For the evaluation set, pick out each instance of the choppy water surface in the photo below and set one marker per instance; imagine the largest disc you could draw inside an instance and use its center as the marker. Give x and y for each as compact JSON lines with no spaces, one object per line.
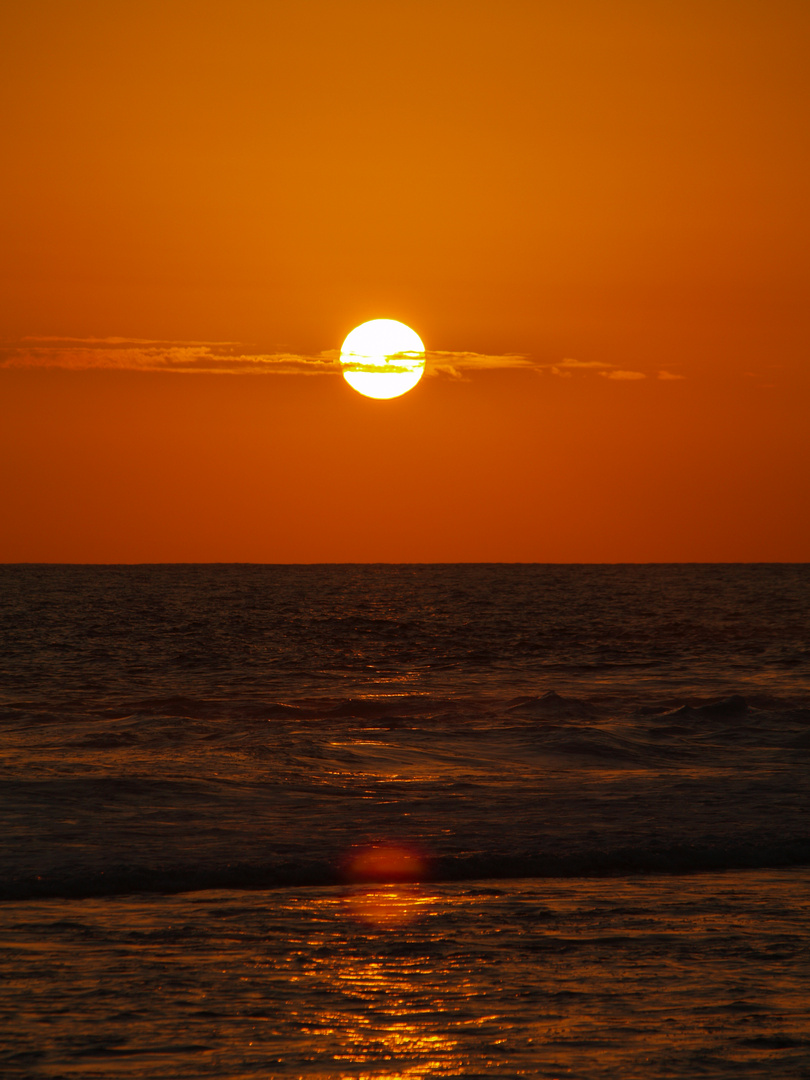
{"x":702,"y":976}
{"x":530,"y":735}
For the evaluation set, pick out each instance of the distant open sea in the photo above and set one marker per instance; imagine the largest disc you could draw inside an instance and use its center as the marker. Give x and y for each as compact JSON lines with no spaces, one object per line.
{"x":405,"y":821}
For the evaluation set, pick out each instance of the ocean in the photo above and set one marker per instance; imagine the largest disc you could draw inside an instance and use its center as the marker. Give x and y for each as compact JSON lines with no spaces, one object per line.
{"x":405,"y":821}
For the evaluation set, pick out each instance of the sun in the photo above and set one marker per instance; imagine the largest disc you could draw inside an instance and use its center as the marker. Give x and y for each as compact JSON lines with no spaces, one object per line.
{"x":382,"y":358}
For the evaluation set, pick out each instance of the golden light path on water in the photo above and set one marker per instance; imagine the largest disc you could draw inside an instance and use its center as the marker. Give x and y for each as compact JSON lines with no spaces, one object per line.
{"x":632,"y":977}
{"x":382,"y":358}
{"x":387,"y":1025}
{"x":390,"y":902}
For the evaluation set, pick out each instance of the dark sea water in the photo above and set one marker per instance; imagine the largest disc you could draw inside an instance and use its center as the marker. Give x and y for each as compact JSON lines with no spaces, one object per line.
{"x":405,"y":821}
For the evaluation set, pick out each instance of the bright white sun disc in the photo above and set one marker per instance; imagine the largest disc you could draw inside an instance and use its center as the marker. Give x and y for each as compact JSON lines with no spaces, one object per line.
{"x":382,"y":358}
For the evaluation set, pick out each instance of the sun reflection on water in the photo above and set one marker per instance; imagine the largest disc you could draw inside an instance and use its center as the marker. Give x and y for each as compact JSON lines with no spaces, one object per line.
{"x":389,"y":907}
{"x":389,"y":1026}
{"x":384,"y":862}
{"x":394,"y":1026}
{"x":627,"y":978}
{"x":387,"y":879}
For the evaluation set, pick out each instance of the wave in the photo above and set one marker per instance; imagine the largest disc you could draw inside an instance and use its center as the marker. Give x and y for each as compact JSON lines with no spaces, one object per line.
{"x":553,"y":706}
{"x":667,"y":859}
{"x":645,"y":703}
{"x":734,"y":707}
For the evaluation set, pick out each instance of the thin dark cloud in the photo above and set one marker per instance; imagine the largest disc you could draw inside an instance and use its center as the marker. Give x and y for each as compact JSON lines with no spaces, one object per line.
{"x":459,"y":364}
{"x":139,"y":354}
{"x":237,"y":358}
{"x":220,"y":357}
{"x":568,"y":368}
{"x":626,"y":376}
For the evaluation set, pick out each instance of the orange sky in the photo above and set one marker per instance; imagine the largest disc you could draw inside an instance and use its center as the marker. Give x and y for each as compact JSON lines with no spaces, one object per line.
{"x":559,"y":197}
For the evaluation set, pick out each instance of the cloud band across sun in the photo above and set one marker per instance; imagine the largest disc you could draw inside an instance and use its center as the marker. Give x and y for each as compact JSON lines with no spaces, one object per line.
{"x":226,"y":357}
{"x":235,"y":358}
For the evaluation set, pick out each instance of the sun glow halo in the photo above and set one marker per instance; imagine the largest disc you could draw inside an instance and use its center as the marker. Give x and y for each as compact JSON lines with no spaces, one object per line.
{"x":382,"y":358}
